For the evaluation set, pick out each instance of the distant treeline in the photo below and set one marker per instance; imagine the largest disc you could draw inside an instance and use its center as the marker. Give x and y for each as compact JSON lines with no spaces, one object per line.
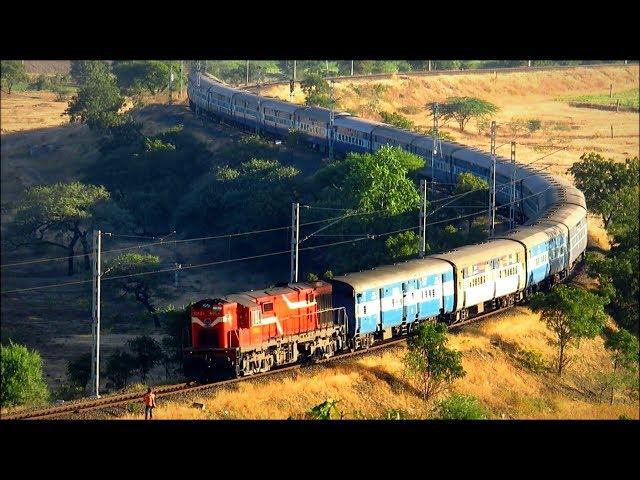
{"x":235,"y":71}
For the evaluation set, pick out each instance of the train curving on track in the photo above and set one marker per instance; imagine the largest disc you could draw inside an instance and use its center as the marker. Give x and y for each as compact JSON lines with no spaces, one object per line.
{"x":255,"y":331}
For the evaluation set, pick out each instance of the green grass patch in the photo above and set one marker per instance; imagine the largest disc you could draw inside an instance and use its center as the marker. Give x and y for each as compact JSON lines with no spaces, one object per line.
{"x":628,"y":99}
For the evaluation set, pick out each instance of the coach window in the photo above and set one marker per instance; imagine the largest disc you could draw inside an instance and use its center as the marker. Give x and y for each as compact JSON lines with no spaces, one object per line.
{"x":267,"y":307}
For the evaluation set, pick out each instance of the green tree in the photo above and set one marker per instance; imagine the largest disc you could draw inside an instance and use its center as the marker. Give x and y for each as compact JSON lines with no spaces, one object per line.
{"x":397,"y":120}
{"x":97,"y":102}
{"x":120,"y":368}
{"x":147,"y":353}
{"x":403,"y":246}
{"x":11,"y":72}
{"x":429,"y":361}
{"x":461,"y":407}
{"x":624,"y":351}
{"x":149,"y":75}
{"x":142,"y":288}
{"x":82,"y":70}
{"x":571,"y":314}
{"x":317,"y":90}
{"x":602,"y":181}
{"x":79,"y":370}
{"x":476,"y":190}
{"x":463,"y":109}
{"x":62,"y":215}
{"x":618,"y":274}
{"x":379,"y":181}
{"x":21,"y":378}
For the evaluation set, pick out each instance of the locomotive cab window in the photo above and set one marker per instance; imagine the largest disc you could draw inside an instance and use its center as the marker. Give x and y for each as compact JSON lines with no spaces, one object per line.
{"x":267,"y":307}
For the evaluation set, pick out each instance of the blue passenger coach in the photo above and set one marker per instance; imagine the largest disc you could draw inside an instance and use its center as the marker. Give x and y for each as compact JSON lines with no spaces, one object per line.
{"x":392,"y":297}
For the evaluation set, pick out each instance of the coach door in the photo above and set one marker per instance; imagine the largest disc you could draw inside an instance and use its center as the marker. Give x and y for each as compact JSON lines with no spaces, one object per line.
{"x":410,"y":300}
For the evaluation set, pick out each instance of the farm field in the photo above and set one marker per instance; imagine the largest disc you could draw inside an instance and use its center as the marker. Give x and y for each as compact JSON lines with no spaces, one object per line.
{"x":40,"y":147}
{"x":628,"y":98}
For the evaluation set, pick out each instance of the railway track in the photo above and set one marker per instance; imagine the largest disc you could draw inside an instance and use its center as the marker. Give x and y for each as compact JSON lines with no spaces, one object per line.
{"x":127,"y":398}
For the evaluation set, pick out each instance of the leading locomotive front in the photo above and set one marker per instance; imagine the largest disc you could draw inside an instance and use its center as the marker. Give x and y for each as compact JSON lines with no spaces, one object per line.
{"x":213,"y":323}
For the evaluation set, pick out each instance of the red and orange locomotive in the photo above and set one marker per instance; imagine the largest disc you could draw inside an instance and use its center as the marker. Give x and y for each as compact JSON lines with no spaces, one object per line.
{"x":252,"y":332}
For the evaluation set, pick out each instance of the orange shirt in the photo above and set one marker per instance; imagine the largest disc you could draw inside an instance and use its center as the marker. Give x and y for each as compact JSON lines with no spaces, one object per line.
{"x":149,"y":399}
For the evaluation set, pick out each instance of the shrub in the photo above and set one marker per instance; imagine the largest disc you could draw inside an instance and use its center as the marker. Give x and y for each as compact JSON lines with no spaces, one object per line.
{"x":21,"y":379}
{"x":410,"y":109}
{"x":324,"y":410}
{"x":532,"y":360}
{"x":533,"y":125}
{"x":461,"y":407}
{"x":68,"y":392}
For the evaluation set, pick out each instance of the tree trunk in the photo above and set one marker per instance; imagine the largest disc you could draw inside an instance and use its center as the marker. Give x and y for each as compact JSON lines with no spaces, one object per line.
{"x":85,"y":249}
{"x":72,"y":247}
{"x":613,"y":385}
{"x":560,"y":359}
{"x":152,"y":310}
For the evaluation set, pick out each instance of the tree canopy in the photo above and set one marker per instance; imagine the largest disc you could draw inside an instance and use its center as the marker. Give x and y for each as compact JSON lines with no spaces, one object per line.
{"x":97,"y":102}
{"x":82,"y":70}
{"x":607,"y":185}
{"x":148,"y":75}
{"x":430,"y":361}
{"x":11,"y":72}
{"x":142,"y":288}
{"x":62,"y":215}
{"x":463,"y":109}
{"x":571,"y":314}
{"x":317,"y":90}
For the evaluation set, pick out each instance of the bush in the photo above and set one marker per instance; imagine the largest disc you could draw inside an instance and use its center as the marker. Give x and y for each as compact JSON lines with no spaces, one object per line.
{"x":461,"y":407}
{"x":21,"y":379}
{"x":533,"y":125}
{"x":532,"y":360}
{"x":79,"y":371}
{"x":68,"y":392}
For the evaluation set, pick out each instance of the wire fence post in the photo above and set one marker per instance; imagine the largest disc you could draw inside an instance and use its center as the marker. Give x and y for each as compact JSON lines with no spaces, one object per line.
{"x":95,"y":348}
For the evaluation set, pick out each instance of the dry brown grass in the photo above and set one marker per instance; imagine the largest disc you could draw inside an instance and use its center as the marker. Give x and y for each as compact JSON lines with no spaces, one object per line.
{"x":519,"y":95}
{"x":370,"y":386}
{"x":31,"y":110}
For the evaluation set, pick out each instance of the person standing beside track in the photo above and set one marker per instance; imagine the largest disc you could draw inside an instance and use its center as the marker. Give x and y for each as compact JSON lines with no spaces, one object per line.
{"x":149,"y":404}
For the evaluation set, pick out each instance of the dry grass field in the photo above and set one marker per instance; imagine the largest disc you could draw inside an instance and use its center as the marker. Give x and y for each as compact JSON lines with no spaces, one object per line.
{"x":373,"y":386}
{"x":519,"y":96}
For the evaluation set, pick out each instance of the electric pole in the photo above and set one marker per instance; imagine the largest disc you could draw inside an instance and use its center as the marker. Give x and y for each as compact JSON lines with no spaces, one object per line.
{"x":352,"y":68}
{"x":294,"y":71}
{"x":512,"y":193}
{"x":247,"y":72}
{"x":429,"y":67}
{"x":259,"y":112}
{"x":95,"y":348}
{"x":423,"y":218}
{"x":181,"y":70}
{"x":295,"y":238}
{"x":170,"y":83}
{"x":331,"y":119}
{"x":492,"y":183}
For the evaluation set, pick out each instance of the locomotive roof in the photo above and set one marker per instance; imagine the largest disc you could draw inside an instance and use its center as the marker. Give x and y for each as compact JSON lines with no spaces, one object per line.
{"x":388,"y":274}
{"x":252,"y":297}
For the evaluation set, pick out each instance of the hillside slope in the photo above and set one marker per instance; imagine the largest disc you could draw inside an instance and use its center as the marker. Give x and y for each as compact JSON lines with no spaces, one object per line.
{"x":373,"y":386}
{"x":520,"y":95}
